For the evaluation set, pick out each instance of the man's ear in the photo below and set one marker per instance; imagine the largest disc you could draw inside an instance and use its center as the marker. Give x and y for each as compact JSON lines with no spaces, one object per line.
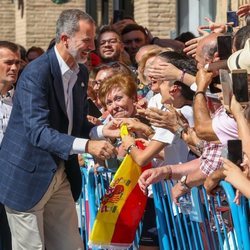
{"x":64,"y":39}
{"x":175,"y":89}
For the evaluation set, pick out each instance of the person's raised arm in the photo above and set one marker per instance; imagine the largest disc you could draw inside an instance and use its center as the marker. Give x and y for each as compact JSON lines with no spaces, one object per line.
{"x":202,"y":118}
{"x":242,"y":124}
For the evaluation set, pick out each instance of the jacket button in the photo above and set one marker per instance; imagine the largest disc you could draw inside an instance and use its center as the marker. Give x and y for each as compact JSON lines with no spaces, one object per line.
{"x":53,"y":170}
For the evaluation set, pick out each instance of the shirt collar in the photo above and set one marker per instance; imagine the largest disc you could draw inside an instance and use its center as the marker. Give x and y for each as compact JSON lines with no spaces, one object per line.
{"x":7,"y":99}
{"x":63,"y":65}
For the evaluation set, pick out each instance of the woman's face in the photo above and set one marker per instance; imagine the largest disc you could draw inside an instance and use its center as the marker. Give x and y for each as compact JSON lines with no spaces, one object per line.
{"x":118,"y":104}
{"x":153,"y":83}
{"x":164,"y":85}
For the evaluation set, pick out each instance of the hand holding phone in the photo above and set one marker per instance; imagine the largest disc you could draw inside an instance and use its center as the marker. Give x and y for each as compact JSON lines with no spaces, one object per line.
{"x":232,"y":18}
{"x":226,"y":84}
{"x":224,"y":46}
{"x":240,"y":85}
{"x":234,"y":149}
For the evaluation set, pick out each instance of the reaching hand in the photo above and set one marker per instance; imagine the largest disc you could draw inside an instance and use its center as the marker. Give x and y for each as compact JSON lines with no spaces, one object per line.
{"x":190,"y":137}
{"x":101,"y":149}
{"x":153,"y":175}
{"x":212,"y":181}
{"x":163,"y":71}
{"x":232,"y":172}
{"x":127,"y":141}
{"x":191,"y":46}
{"x":177,"y":191}
{"x":112,"y":129}
{"x":214,"y":27}
{"x":203,"y":79}
{"x":235,"y":107}
{"x":243,"y":10}
{"x":164,"y":119}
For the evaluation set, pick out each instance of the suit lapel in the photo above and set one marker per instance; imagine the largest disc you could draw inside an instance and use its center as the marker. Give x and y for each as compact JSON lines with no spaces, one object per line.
{"x":79,"y":94}
{"x":57,"y":82}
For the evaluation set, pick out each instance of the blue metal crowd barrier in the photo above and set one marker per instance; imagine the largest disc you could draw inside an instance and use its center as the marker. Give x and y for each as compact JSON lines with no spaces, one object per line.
{"x":203,"y":228}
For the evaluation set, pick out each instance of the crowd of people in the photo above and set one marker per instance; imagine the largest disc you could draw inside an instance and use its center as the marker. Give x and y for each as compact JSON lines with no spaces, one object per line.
{"x":72,"y":99}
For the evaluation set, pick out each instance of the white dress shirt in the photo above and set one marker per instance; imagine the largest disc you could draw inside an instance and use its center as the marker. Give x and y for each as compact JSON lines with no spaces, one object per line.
{"x":69,"y":78}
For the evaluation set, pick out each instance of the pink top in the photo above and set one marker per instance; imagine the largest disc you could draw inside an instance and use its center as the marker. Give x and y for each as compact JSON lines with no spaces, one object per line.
{"x":224,"y":126}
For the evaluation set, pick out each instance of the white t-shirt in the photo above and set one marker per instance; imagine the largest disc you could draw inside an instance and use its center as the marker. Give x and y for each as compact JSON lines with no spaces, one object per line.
{"x":155,"y":101}
{"x":176,"y":150}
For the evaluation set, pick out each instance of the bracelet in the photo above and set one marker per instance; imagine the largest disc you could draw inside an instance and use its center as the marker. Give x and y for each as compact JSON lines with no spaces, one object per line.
{"x":200,"y":93}
{"x":130,"y":148}
{"x":182,"y":75}
{"x":199,"y":146}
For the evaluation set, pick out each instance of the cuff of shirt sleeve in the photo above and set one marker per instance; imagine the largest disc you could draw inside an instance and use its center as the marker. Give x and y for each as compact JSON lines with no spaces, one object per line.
{"x":79,"y":146}
{"x":96,"y":133}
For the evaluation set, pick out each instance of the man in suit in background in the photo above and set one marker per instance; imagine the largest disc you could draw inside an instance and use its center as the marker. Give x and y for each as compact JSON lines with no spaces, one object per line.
{"x":39,"y":172}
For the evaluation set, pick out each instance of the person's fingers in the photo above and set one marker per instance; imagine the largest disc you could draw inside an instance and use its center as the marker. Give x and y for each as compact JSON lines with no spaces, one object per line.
{"x":192,"y":41}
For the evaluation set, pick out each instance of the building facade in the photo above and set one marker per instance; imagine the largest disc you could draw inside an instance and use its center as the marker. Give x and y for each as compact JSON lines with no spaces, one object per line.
{"x":32,"y":22}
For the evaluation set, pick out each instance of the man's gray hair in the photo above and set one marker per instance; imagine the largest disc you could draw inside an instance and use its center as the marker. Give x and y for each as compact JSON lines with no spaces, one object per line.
{"x":68,"y":22}
{"x":209,"y":49}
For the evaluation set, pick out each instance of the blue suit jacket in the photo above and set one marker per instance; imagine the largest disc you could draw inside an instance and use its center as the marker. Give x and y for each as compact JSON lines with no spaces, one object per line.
{"x":36,"y":137}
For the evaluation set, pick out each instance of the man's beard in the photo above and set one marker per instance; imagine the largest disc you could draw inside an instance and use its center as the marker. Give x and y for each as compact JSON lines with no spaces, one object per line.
{"x":77,"y":56}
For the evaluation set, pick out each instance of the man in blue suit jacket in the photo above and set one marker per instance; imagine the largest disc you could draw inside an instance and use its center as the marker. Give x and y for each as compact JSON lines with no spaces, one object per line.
{"x":39,"y":172}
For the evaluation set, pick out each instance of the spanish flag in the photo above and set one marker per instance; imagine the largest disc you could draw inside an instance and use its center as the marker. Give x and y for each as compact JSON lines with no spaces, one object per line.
{"x":122,"y":207}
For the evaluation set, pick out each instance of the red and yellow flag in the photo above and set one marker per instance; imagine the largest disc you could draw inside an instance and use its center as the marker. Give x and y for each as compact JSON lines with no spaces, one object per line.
{"x":122,"y":207}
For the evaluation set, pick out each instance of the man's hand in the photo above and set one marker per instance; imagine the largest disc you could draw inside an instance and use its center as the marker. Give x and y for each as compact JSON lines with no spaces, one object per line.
{"x":212,"y":181}
{"x":101,"y":149}
{"x":153,"y":175}
{"x":203,"y":79}
{"x":191,"y":46}
{"x":190,"y":137}
{"x":214,"y":27}
{"x":243,"y":10}
{"x":177,"y":191}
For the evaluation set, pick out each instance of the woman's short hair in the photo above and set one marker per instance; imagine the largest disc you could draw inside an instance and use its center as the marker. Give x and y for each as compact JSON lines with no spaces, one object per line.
{"x":123,"y":81}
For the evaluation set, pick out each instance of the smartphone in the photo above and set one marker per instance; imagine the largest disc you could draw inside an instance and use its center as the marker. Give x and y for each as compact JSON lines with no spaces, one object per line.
{"x":212,"y":86}
{"x":232,"y":18}
{"x":240,"y":85}
{"x":224,"y":46}
{"x":226,"y":84}
{"x":117,"y":15}
{"x":93,"y":110}
{"x":234,"y":152}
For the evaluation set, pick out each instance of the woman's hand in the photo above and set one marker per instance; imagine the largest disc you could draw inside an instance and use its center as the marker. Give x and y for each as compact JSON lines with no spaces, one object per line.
{"x":127,"y":141}
{"x":163,"y":71}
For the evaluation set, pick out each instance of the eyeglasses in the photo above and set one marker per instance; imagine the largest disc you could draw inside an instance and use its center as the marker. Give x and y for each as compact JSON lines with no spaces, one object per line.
{"x":111,"y":41}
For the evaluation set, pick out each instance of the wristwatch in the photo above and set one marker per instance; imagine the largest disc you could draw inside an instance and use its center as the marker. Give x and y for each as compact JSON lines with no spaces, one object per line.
{"x":183,"y":182}
{"x":179,"y":131}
